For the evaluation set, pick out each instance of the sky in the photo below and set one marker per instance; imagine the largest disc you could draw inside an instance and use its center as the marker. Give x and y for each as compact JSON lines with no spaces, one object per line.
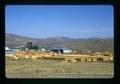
{"x":74,"y":21}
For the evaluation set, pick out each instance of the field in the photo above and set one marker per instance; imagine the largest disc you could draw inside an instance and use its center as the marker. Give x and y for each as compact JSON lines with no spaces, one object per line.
{"x":46,"y":68}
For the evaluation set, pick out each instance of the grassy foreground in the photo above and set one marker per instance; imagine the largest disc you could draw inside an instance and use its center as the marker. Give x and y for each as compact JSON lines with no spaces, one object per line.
{"x":27,"y":68}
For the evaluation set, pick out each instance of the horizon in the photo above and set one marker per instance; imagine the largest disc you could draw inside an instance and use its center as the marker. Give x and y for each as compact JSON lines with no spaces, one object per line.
{"x":60,"y":37}
{"x":73,"y":21}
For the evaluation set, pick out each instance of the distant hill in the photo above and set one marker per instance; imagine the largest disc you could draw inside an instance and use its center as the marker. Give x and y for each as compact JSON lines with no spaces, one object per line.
{"x":92,"y":44}
{"x":13,"y":40}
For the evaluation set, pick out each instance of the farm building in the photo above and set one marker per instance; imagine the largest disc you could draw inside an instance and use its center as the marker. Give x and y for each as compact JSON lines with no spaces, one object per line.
{"x":8,"y":50}
{"x":20,"y":47}
{"x":61,"y":50}
{"x":67,"y":50}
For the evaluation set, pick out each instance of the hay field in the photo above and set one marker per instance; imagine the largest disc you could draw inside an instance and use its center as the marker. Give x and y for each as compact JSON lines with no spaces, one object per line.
{"x":46,"y":68}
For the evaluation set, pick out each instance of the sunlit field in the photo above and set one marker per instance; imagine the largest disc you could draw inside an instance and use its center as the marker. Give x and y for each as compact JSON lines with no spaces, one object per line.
{"x":48,"y":68}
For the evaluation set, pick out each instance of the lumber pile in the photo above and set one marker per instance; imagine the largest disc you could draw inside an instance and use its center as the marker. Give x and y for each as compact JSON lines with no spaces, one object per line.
{"x":89,"y":59}
{"x":98,"y":54}
{"x":82,"y":59}
{"x":106,"y":58}
{"x":94,"y":59}
{"x":107,"y":53}
{"x":70,"y":60}
{"x":111,"y":58}
{"x":30,"y":54}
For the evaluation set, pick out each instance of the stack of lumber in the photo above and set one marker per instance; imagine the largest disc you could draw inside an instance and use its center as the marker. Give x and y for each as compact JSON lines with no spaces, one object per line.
{"x":98,"y":54}
{"x":31,"y":54}
{"x":94,"y":59}
{"x":70,"y":60}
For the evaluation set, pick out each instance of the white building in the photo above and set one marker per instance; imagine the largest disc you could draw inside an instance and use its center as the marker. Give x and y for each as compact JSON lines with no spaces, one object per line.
{"x":43,"y":49}
{"x":66,"y":50}
{"x":7,"y":48}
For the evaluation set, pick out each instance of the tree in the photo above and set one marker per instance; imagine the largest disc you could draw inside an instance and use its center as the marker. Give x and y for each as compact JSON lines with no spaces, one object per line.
{"x":35,"y":47}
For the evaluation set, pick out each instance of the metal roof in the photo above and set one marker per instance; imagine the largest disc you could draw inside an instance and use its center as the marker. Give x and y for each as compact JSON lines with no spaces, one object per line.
{"x":20,"y":46}
{"x":60,"y":48}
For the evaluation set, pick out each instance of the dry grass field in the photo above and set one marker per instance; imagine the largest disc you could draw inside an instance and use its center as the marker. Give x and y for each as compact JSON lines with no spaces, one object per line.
{"x":46,"y":68}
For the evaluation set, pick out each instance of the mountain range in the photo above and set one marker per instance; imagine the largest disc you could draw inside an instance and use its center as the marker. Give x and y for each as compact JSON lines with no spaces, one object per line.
{"x":92,"y":44}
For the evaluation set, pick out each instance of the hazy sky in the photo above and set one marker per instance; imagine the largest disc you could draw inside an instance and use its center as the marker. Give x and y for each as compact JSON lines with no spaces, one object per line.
{"x":75,"y":21}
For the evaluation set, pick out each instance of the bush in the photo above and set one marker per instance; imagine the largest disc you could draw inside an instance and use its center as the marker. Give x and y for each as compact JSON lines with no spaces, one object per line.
{"x":35,"y":47}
